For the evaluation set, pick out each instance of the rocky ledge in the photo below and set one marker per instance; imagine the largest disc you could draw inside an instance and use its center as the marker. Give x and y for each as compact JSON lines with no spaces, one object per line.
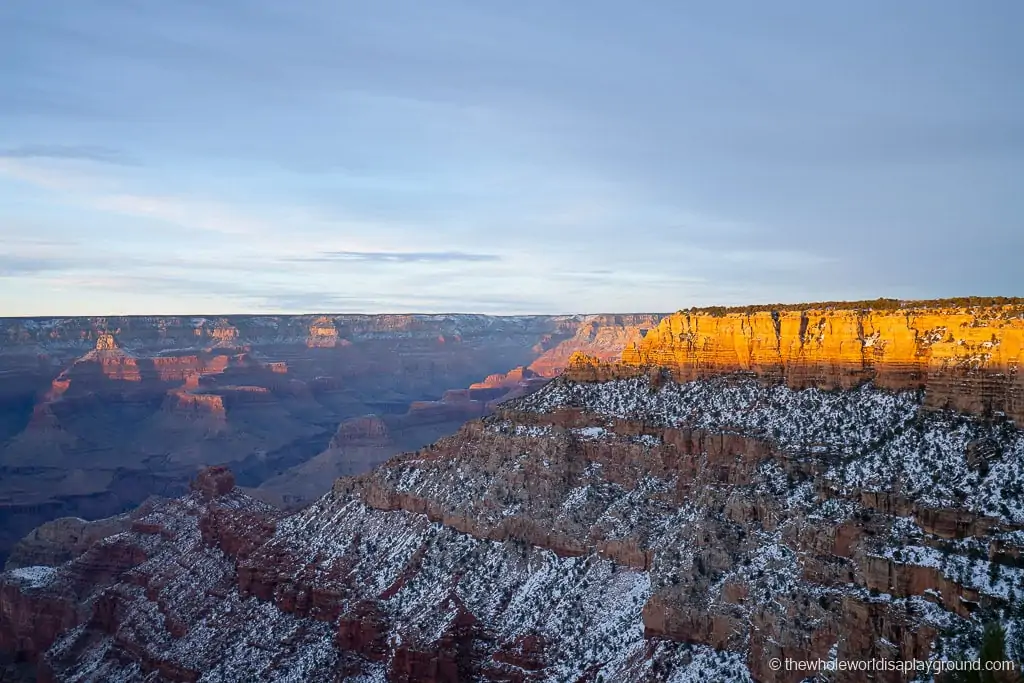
{"x":630,"y":530}
{"x":630,"y":524}
{"x":964,"y":354}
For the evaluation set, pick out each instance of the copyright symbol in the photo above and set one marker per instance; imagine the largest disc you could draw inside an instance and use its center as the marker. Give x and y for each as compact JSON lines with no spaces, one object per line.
{"x":775,"y":664}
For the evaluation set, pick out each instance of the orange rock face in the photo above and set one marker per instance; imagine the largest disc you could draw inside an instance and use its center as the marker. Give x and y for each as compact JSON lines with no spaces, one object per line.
{"x":106,"y":343}
{"x":198,"y":404}
{"x":964,"y":358}
{"x":322,"y":334}
{"x":603,"y":337}
{"x":224,"y":333}
{"x":114,"y":363}
{"x":508,"y":379}
{"x":176,"y":368}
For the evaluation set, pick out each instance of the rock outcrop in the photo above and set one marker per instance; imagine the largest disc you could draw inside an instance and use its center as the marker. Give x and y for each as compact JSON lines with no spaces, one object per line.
{"x":137,"y":403}
{"x":964,"y":358}
{"x":602,"y":337}
{"x":214,"y":481}
{"x":359,"y":431}
{"x":690,"y":511}
{"x":322,"y":334}
{"x":628,"y":524}
{"x":111,"y":360}
{"x":61,"y":540}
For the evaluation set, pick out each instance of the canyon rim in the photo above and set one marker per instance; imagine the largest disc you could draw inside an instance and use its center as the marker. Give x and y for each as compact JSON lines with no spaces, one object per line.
{"x":688,"y":497}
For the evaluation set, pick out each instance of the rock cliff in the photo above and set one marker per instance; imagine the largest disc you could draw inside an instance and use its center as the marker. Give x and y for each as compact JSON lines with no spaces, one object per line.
{"x":963,"y":357}
{"x":137,"y":403}
{"x":625,"y":522}
{"x":111,"y":360}
{"x":602,"y":337}
{"x":322,"y":333}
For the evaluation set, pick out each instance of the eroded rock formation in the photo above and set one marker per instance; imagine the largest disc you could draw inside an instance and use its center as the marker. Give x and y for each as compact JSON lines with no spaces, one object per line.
{"x":322,"y":334}
{"x":964,"y":358}
{"x":602,"y":337}
{"x":622,"y":523}
{"x":137,"y":403}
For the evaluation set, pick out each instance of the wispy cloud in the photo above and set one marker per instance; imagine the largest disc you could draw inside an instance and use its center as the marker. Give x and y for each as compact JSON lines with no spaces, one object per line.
{"x":93,"y":153}
{"x":398,"y":257}
{"x":276,"y":223}
{"x":45,"y":176}
{"x":235,"y":294}
{"x":326,"y":302}
{"x":107,"y":192}
{"x":398,"y":157}
{"x":185,"y":212}
{"x":15,"y":266}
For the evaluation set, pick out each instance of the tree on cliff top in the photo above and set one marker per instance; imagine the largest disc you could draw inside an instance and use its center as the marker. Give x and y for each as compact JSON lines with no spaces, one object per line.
{"x":993,"y":649}
{"x":864,"y":305}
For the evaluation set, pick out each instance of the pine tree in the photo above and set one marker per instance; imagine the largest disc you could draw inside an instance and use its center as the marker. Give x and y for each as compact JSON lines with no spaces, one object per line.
{"x":993,"y":572}
{"x":993,"y":649}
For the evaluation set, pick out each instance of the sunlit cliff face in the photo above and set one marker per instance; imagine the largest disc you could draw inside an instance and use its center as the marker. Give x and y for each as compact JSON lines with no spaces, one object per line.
{"x":798,"y":494}
{"x":322,"y":334}
{"x":113,"y":362}
{"x":964,"y":358}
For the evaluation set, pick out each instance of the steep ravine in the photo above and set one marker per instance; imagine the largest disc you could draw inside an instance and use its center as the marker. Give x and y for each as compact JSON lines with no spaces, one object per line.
{"x":626,"y":522}
{"x":96,"y":414}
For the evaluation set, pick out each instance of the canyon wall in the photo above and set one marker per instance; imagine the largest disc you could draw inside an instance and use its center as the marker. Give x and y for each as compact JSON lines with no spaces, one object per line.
{"x":601,"y":336}
{"x":96,"y":414}
{"x":963,"y":357}
{"x":809,"y":492}
{"x":623,"y":531}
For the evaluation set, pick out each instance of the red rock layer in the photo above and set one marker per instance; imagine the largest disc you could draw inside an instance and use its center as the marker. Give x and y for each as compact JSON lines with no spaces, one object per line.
{"x":965,"y":359}
{"x":602,"y":337}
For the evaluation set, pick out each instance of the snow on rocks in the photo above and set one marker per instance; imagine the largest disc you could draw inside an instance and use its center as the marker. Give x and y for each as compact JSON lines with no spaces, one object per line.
{"x":562,"y":535}
{"x":34,"y":577}
{"x":875,"y":440}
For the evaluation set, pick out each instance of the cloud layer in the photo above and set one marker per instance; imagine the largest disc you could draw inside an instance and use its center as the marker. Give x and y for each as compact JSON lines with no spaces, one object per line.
{"x":398,"y":257}
{"x":527,"y":157}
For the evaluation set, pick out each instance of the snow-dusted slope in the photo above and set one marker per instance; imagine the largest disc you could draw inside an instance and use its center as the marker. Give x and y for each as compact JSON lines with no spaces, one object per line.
{"x":615,"y":531}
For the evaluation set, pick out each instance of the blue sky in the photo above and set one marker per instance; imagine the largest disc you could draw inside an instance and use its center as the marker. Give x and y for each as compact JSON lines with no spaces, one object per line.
{"x":458,"y":155}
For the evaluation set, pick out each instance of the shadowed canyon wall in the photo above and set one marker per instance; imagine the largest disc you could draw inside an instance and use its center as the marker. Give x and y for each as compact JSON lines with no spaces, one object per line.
{"x":811,"y":494}
{"x":98,"y":413}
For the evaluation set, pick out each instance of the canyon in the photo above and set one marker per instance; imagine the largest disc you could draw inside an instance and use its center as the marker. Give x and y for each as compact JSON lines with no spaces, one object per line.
{"x":97,"y":414}
{"x":629,"y":498}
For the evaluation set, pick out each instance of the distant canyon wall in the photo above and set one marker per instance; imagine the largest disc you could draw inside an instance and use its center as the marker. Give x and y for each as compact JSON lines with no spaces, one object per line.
{"x":97,"y":413}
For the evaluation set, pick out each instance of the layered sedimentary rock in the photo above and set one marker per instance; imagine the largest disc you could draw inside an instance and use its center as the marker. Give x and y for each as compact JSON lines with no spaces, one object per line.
{"x":322,"y":334}
{"x":196,"y":405}
{"x":422,"y":422}
{"x":224,"y":334}
{"x":634,"y":528}
{"x":965,"y":358}
{"x":687,"y":512}
{"x":136,"y":403}
{"x":61,"y":540}
{"x":361,"y":443}
{"x":361,"y":430}
{"x":506,"y":379}
{"x":111,"y":360}
{"x":178,"y":368}
{"x":603,"y":337}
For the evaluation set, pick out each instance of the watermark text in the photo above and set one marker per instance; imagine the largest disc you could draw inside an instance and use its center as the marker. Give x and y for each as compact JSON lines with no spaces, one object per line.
{"x":906,"y":666}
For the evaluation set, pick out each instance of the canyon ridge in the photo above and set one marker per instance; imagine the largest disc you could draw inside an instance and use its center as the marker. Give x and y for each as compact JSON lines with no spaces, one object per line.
{"x":680,"y":497}
{"x":97,"y":414}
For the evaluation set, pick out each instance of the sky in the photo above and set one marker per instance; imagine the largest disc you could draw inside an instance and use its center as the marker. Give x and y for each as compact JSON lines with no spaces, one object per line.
{"x":257,"y":156}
